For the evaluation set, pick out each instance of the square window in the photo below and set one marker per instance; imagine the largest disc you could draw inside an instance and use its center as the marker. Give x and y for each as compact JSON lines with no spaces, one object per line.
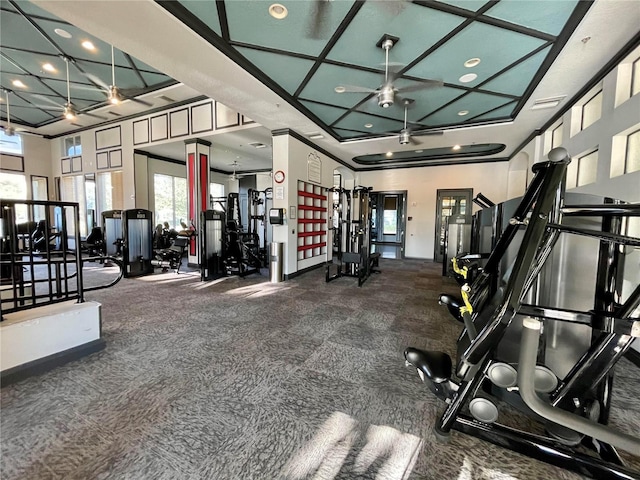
{"x":592,"y":110}
{"x":587,"y":168}
{"x":632,"y":153}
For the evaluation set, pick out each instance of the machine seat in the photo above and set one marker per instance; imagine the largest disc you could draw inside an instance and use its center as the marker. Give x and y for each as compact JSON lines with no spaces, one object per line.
{"x":453,"y":304}
{"x":436,"y":366}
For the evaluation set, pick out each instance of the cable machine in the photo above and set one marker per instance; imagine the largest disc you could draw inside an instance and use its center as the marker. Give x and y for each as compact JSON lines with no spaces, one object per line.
{"x":351,"y":228}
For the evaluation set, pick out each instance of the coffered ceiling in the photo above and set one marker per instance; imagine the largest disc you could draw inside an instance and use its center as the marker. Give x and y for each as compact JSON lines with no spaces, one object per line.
{"x":473,"y":71}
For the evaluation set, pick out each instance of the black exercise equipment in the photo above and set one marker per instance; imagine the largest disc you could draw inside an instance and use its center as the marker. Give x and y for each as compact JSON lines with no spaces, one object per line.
{"x":351,"y":229}
{"x":562,"y":375}
{"x":128,"y":236}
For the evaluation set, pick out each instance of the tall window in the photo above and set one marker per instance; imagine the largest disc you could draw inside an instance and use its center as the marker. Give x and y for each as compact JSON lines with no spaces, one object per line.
{"x":170,"y":199}
{"x":72,"y":190}
{"x":592,"y":110}
{"x":635,"y":77}
{"x":72,"y":147}
{"x":110,"y":195}
{"x":556,"y":136}
{"x":632,"y":154}
{"x":587,"y":168}
{"x":13,"y":186}
{"x":39,"y":191}
{"x":390,"y":216}
{"x":216,"y":190}
{"x":11,"y":145}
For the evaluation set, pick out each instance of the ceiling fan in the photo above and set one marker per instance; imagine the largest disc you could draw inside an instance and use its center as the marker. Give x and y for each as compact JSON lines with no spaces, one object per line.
{"x":10,"y":130}
{"x":68,"y":110}
{"x":406,"y":135}
{"x":387,"y":93}
{"x":115,"y":95}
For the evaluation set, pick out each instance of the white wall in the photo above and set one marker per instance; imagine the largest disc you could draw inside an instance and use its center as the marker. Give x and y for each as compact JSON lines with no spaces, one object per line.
{"x":422,"y":185}
{"x":290,"y":156}
{"x":37,"y":161}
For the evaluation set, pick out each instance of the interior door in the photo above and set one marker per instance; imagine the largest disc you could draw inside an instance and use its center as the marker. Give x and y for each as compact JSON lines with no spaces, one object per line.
{"x":449,"y":202}
{"x":388,"y":217}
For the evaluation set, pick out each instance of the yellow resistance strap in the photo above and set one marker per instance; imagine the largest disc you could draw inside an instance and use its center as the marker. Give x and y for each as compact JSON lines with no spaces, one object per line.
{"x":460,"y":271}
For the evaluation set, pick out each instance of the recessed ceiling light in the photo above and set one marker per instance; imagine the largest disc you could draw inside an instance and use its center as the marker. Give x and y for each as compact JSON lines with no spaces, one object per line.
{"x":340,"y":89}
{"x":462,"y":113}
{"x":389,"y":154}
{"x":88,"y":45}
{"x":469,"y":77}
{"x":62,"y":33}
{"x":419,"y":151}
{"x":368,"y":125}
{"x":456,"y":147}
{"x":18,"y":83}
{"x":49,"y":68}
{"x":472,"y":62}
{"x":278,"y":11}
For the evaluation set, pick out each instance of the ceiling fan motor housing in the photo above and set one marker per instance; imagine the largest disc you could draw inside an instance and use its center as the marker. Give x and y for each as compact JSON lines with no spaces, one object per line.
{"x":404,"y":136}
{"x":385,"y":97}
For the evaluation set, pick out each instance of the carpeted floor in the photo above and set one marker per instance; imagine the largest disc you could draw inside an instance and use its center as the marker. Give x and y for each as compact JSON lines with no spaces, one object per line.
{"x":243,"y":379}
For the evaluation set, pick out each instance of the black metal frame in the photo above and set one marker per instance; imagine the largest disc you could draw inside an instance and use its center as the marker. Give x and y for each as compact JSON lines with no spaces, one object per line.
{"x":18,"y":254}
{"x":541,"y":211}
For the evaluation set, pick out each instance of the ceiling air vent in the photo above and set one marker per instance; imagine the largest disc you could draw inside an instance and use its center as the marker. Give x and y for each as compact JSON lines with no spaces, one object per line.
{"x":258,"y":145}
{"x":550,"y":102}
{"x":164,"y":98}
{"x":115,"y":114}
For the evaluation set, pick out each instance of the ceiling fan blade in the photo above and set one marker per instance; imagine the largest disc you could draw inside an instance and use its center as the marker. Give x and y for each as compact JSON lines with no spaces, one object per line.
{"x":357,"y":89}
{"x":140,"y":101}
{"x":318,"y":24}
{"x":75,"y":86}
{"x":100,"y":117}
{"x":421,"y":86}
{"x":97,"y":80}
{"x":414,"y":141}
{"x":49,"y":107}
{"x":424,"y":133}
{"x":47,"y":99}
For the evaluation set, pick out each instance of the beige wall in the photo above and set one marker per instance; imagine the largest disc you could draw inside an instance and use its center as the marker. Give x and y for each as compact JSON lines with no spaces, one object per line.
{"x":422,"y":185}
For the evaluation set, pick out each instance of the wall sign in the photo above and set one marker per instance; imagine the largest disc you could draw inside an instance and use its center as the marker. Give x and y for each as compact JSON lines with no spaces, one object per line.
{"x":314,"y":168}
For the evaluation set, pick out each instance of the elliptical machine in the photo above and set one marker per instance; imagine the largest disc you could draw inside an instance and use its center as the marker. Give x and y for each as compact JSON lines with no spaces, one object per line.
{"x":511,"y":343}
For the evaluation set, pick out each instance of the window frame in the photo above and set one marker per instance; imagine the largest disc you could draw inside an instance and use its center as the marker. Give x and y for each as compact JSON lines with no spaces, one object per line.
{"x":580,"y":164}
{"x":626,"y":152}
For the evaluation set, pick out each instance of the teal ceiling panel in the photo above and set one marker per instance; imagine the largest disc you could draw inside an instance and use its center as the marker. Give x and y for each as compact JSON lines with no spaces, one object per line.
{"x":73,"y":46}
{"x":325,"y":113}
{"x":151,"y":78}
{"x":32,"y":9}
{"x":6,"y":65}
{"x":285,"y":70}
{"x":17,"y":32}
{"x":496,"y":48}
{"x":33,"y":63}
{"x":78,"y":91}
{"x":327,"y":77}
{"x":32,"y":84}
{"x":357,"y":121}
{"x":474,"y":103}
{"x":472,"y":5}
{"x":125,"y":77}
{"x":205,"y":11}
{"x":33,"y":115}
{"x":250,"y":22}
{"x":15,"y":100}
{"x":548,"y":17}
{"x":502,"y":112}
{"x":417,"y":27}
{"x":515,"y":80}
{"x":349,"y":133}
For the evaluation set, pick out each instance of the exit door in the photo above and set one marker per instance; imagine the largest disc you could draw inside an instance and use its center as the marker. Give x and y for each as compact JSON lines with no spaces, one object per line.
{"x":388,"y":223}
{"x":448,"y":203}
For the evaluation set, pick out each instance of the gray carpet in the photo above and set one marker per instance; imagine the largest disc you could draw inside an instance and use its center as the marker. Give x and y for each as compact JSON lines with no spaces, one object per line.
{"x":242,"y":379}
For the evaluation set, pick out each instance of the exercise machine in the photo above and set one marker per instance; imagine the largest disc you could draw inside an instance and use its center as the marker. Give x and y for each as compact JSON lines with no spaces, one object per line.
{"x":351,"y":227}
{"x":546,"y":318}
{"x":128,"y":236}
{"x":259,"y":203}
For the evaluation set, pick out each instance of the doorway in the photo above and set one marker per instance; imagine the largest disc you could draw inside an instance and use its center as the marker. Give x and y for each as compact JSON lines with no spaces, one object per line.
{"x":449,"y":203}
{"x":388,"y":223}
